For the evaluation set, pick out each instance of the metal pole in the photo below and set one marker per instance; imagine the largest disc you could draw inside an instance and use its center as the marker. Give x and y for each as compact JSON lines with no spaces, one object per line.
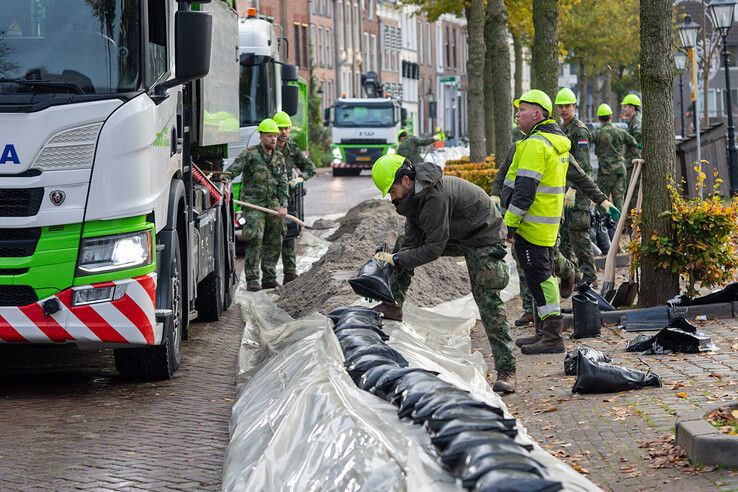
{"x":681,"y":102}
{"x":697,"y":108}
{"x":732,"y":151}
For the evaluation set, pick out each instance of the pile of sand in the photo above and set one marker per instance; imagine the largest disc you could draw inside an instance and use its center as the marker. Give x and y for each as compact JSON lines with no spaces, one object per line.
{"x":367,"y":225}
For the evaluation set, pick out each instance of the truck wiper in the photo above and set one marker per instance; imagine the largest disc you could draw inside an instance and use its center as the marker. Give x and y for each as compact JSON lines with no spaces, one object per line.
{"x":45,"y":83}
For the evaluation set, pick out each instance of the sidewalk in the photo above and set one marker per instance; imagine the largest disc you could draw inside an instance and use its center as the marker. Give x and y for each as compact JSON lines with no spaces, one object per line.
{"x":622,"y":441}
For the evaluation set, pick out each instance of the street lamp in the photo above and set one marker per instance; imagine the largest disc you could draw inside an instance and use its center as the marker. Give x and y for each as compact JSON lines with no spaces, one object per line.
{"x":721,"y":13}
{"x":688,"y":31}
{"x":680,"y":62}
{"x":431,"y":107}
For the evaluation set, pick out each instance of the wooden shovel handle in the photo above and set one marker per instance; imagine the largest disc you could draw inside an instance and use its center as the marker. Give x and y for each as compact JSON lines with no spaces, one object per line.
{"x":272,"y":212}
{"x":614,"y":246}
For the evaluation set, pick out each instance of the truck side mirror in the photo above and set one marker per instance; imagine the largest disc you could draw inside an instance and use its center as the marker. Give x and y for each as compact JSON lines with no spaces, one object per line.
{"x":290,"y":97}
{"x":327,"y":117}
{"x":289,"y":72}
{"x":193,"y":34}
{"x":403,"y":116}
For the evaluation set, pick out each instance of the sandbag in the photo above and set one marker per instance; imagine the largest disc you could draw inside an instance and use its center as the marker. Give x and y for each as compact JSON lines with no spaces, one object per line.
{"x":426,"y":406}
{"x":374,"y":281}
{"x":338,"y":313}
{"x":572,"y":358}
{"x":409,"y":397}
{"x":369,"y":379}
{"x":602,"y":303}
{"x":354,"y":319}
{"x":385,"y":386}
{"x":411,"y":380}
{"x":484,"y":450}
{"x":348,"y":330}
{"x":680,"y":336}
{"x":383,"y":350}
{"x":601,"y":377}
{"x":352,"y":341}
{"x":452,"y":429}
{"x":587,"y":317}
{"x":727,"y":294}
{"x":456,"y":450}
{"x":515,"y":481}
{"x":361,"y":365}
{"x":442,"y":416}
{"x":503,"y":463}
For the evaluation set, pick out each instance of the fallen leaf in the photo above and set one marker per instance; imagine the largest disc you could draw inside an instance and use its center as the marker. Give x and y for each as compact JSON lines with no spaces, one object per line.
{"x":550,"y":409}
{"x":682,"y":394}
{"x":580,"y":469}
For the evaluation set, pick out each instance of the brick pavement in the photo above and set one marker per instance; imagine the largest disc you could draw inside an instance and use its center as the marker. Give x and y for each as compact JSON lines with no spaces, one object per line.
{"x":69,"y":423}
{"x":606,"y":434}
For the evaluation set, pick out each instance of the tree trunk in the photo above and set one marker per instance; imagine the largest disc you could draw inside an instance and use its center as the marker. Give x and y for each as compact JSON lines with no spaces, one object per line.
{"x":545,"y":46}
{"x":597,"y":94}
{"x":582,"y":96}
{"x":657,"y":284}
{"x":498,"y":45}
{"x":489,"y":75}
{"x":607,"y":90}
{"x":475,"y":69}
{"x":518,"y":50}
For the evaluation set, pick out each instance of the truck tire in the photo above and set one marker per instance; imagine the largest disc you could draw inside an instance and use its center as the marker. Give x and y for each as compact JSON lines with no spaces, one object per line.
{"x":161,"y":361}
{"x":338,"y":171}
{"x":229,"y":249}
{"x":210,"y":292}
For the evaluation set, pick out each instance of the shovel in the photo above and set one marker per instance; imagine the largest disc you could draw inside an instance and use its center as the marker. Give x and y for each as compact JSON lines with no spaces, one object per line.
{"x":272,"y":212}
{"x":608,"y":286}
{"x":627,"y":292}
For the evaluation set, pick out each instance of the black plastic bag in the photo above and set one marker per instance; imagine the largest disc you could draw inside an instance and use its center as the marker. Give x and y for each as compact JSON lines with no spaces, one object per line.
{"x":600,"y":377}
{"x":352,"y":341}
{"x":353,"y":319}
{"x":515,"y":462}
{"x":456,"y":427}
{"x":442,"y":416}
{"x":361,"y":365}
{"x":602,"y":303}
{"x":727,"y":294}
{"x":571,"y":359}
{"x":374,"y":281}
{"x":411,"y":380}
{"x":483,"y":450}
{"x":369,"y":379}
{"x":344,"y":331}
{"x":603,"y":238}
{"x":515,"y":481}
{"x":462,"y":445}
{"x":426,"y":406}
{"x":409,"y":397}
{"x":383,"y":350}
{"x":680,"y":336}
{"x":385,"y":387}
{"x":587,"y":317}
{"x":338,"y":313}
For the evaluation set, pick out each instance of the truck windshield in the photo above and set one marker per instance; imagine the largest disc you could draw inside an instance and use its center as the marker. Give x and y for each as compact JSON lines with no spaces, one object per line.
{"x":69,"y":46}
{"x":257,"y":93}
{"x":369,"y":115}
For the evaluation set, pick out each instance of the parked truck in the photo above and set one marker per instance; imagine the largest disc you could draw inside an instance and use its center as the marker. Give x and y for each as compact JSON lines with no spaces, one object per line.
{"x":110,"y":237}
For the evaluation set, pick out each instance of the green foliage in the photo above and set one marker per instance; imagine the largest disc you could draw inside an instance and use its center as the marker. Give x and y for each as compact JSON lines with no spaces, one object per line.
{"x":702,"y":248}
{"x":433,"y":9}
{"x":318,"y":136}
{"x":480,"y":177}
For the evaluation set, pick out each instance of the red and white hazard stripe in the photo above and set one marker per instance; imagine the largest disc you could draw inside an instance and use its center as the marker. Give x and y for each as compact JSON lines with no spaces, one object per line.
{"x":129,"y":319}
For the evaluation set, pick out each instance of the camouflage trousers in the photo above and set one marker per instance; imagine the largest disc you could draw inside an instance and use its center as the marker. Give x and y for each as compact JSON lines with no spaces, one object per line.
{"x":613,"y":185}
{"x":488,"y":275}
{"x":263,"y":233}
{"x":289,"y":255}
{"x":575,"y":240}
{"x":562,"y":268}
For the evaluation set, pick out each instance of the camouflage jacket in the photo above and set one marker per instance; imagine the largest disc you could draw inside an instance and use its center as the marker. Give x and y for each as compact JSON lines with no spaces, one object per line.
{"x":294,"y":158}
{"x":580,"y":138}
{"x":410,"y":148}
{"x":264,"y":177}
{"x":634,"y":128}
{"x":609,"y":141}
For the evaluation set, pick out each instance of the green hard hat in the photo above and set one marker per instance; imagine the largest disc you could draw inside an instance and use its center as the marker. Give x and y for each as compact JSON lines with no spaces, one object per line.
{"x":604,"y":110}
{"x":536,"y":96}
{"x":438,"y":129}
{"x":282,"y":119}
{"x":565,"y":96}
{"x":631,"y":99}
{"x":383,"y":171}
{"x":401,"y":133}
{"x":268,"y":125}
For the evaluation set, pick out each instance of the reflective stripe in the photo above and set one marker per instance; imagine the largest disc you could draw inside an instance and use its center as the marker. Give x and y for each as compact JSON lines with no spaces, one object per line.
{"x":530,"y":174}
{"x":540,"y":219}
{"x":542,"y":138}
{"x":517,"y":211}
{"x":509,"y":183}
{"x":503,"y":211}
{"x":553,"y":190}
{"x":548,"y":310}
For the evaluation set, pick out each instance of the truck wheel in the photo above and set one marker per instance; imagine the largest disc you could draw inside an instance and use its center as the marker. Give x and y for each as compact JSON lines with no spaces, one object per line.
{"x":338,"y":171}
{"x":210,"y":291}
{"x":229,"y":250}
{"x":161,"y":361}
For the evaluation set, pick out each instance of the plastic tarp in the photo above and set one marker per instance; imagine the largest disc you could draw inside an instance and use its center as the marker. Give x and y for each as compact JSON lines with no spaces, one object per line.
{"x":300,"y":423}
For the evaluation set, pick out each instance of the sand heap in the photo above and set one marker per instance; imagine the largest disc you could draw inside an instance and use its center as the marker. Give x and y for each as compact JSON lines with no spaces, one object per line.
{"x":361,"y":230}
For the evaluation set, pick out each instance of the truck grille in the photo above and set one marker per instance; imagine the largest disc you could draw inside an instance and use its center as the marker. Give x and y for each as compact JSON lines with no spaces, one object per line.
{"x":16,"y":202}
{"x":363,"y":155}
{"x":16,"y":243}
{"x":17,"y":295}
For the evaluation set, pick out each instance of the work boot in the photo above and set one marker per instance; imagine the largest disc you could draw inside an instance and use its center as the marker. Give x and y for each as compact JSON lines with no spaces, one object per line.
{"x":535,"y":338}
{"x":253,"y":286}
{"x":551,"y":342}
{"x":389,"y":311}
{"x":566,"y":286}
{"x":505,"y":382}
{"x":524,"y":320}
{"x":289,"y":277}
{"x":269,"y":284}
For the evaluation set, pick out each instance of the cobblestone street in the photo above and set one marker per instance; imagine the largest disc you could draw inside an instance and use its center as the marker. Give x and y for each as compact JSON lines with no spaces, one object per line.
{"x":69,"y":422}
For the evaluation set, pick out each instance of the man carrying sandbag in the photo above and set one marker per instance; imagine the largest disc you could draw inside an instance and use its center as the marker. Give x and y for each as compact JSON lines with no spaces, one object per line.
{"x":449,"y":216}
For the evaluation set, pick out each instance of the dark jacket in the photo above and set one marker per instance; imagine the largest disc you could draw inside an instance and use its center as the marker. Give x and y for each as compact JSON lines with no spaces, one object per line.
{"x":442,"y":208}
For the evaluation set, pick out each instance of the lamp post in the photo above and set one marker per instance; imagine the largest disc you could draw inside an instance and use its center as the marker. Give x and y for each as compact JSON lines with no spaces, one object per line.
{"x":431,"y":107}
{"x":688,"y":31}
{"x":721,"y":14}
{"x":680,"y":62}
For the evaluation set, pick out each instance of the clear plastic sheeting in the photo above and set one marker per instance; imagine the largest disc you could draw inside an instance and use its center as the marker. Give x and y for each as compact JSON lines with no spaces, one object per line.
{"x":300,"y":423}
{"x":310,"y":248}
{"x":440,"y":156}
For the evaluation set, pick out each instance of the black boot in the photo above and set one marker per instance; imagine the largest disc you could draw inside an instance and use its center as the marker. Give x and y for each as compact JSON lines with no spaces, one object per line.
{"x":389,"y":311}
{"x":538,"y":333}
{"x":524,"y":320}
{"x":551,"y":342}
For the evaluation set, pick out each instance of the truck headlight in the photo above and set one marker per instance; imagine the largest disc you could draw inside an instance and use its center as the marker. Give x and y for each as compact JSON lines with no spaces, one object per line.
{"x":110,"y":253}
{"x":336,"y":152}
{"x":390,"y":151}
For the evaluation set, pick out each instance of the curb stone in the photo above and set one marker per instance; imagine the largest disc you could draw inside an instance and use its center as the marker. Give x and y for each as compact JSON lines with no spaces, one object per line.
{"x":705,"y":444}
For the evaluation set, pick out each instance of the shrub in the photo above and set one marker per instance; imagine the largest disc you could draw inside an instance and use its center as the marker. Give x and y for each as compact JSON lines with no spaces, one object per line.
{"x":475,"y":166}
{"x":702,"y":246}
{"x":480,"y":177}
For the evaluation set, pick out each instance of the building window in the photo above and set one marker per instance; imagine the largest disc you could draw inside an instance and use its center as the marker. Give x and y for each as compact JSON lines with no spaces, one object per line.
{"x":373,"y":51}
{"x":296,"y":44}
{"x":305,"y":59}
{"x":318,"y":44}
{"x":453,"y":48}
{"x":428,"y":45}
{"x":448,"y":48}
{"x":420,"y":41}
{"x":365,"y":53}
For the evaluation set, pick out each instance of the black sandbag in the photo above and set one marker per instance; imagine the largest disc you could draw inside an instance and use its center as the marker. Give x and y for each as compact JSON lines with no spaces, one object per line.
{"x":681,"y":323}
{"x":641,"y":343}
{"x":571,"y":358}
{"x":338,"y":313}
{"x":361,"y":365}
{"x":587,"y":317}
{"x":377,"y":334}
{"x":383,"y":350}
{"x":603,"y":238}
{"x":360,"y":329}
{"x":351,"y":341}
{"x":370,"y":377}
{"x":408,"y":398}
{"x":680,"y":336}
{"x":515,"y":481}
{"x":600,"y":377}
{"x":459,"y":448}
{"x":483,"y":450}
{"x":385,"y":387}
{"x":425,"y":407}
{"x":456,"y":427}
{"x":516,"y":462}
{"x":602,"y":303}
{"x":374,"y":281}
{"x":412,"y":379}
{"x":442,"y":416}
{"x":356,"y":319}
{"x":727,"y":294}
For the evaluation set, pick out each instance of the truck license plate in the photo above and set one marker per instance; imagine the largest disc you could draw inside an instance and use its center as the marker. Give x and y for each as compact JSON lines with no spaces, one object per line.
{"x":363,"y":158}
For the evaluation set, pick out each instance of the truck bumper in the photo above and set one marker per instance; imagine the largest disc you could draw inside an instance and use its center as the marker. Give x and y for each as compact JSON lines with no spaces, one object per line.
{"x":128,"y":319}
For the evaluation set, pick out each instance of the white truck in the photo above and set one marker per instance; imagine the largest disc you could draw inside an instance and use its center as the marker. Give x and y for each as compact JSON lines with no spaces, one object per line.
{"x":109,"y":236}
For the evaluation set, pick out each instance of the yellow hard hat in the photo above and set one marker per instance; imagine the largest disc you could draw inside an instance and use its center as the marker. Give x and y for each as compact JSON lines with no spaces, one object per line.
{"x":383,"y":171}
{"x":536,"y":96}
{"x":268,"y":125}
{"x":604,"y":110}
{"x":631,"y":99}
{"x":565,"y":96}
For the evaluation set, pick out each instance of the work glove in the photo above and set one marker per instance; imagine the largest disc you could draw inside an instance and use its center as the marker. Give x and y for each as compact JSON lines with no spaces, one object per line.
{"x":570,"y":198}
{"x":385,"y":257}
{"x":495,"y":200}
{"x":613,"y":212}
{"x":296,"y":181}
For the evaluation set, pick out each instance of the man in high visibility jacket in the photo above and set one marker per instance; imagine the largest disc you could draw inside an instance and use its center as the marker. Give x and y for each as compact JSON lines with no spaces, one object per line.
{"x":534,"y":200}
{"x":440,"y":138}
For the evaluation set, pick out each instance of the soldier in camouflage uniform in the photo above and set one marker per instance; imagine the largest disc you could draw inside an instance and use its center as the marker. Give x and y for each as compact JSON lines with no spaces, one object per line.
{"x":264,"y":184}
{"x":609,"y":141}
{"x":410,"y":146}
{"x":298,"y":168}
{"x":632,"y":112}
{"x":448,"y":216}
{"x":575,"y":238}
